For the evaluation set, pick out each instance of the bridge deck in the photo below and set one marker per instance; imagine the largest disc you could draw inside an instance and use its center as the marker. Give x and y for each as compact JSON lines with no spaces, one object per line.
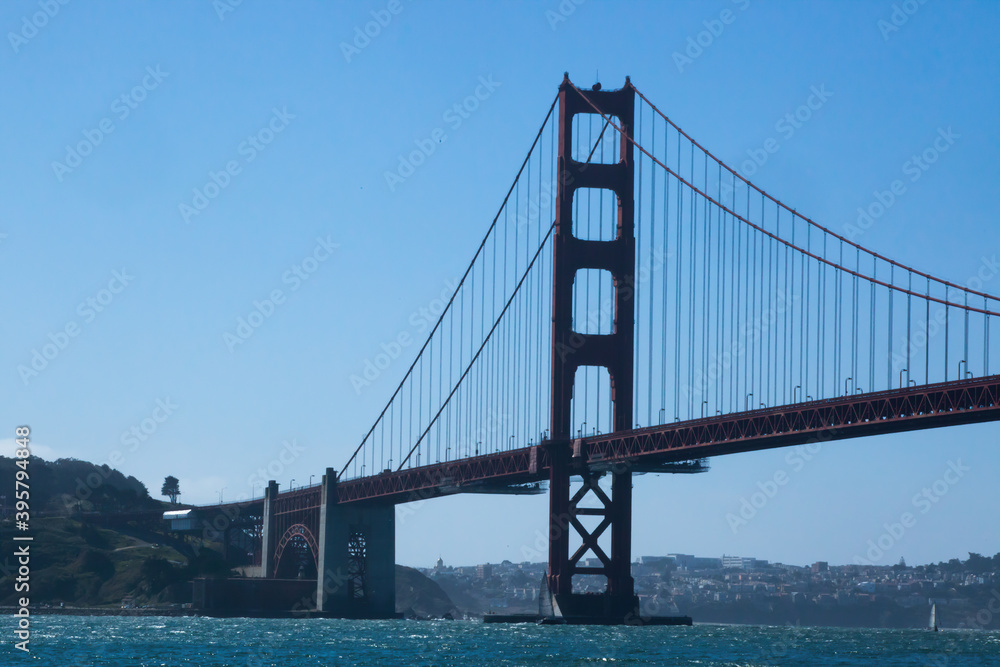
{"x":895,"y":411}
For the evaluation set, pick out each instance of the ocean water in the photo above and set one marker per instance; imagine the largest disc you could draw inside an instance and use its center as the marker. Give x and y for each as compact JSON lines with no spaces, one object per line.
{"x":69,"y":641}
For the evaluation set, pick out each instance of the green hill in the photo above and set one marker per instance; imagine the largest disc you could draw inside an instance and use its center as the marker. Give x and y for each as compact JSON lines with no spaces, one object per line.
{"x":79,"y":564}
{"x":63,"y":486}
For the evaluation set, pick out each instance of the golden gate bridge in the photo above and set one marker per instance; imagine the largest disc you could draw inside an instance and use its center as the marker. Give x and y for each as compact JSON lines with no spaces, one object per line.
{"x":635,"y":305}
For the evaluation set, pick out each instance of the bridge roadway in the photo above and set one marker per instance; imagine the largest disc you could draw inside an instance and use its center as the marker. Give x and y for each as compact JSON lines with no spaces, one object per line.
{"x":916,"y":407}
{"x":645,"y":449}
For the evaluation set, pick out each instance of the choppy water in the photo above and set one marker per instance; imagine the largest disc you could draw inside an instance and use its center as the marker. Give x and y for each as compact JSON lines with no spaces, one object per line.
{"x":68,"y":641}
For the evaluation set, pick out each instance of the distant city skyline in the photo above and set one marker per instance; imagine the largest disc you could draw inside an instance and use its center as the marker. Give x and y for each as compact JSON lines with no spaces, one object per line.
{"x":751,"y":560}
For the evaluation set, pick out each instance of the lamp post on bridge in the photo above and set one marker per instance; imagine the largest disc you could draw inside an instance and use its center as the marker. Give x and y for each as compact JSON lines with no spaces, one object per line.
{"x":220,"y":494}
{"x":290,"y":484}
{"x":311,"y":479}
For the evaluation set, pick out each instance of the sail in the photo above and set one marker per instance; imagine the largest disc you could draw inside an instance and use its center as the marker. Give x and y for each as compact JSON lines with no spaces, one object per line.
{"x":933,"y":623}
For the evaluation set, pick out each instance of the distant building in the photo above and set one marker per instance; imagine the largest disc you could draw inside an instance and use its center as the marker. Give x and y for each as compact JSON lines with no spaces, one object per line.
{"x":820,"y":566}
{"x":655,"y":560}
{"x":682,"y":560}
{"x":732,"y":562}
{"x":484,"y":571}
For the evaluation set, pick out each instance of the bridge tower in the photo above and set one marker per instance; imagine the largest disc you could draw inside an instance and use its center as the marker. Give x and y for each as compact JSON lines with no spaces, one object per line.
{"x":572,"y":350}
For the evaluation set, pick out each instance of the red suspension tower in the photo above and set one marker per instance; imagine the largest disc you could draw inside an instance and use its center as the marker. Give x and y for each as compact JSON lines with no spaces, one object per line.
{"x":572,"y":349}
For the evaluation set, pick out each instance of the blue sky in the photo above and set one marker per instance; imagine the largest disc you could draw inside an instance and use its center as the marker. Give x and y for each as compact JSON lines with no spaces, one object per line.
{"x":288,"y":134}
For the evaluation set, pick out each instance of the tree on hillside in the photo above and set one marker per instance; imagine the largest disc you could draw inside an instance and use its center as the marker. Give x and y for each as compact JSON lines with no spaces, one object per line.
{"x":978,"y":564}
{"x":171,"y":488}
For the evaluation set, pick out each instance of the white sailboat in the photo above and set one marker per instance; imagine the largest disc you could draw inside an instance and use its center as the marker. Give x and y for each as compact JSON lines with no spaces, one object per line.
{"x":933,"y":622}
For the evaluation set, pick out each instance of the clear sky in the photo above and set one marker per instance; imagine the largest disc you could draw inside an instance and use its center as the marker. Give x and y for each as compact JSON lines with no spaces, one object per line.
{"x":164,"y":166}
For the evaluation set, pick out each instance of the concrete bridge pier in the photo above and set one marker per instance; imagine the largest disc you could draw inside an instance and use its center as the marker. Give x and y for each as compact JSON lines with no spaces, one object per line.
{"x":357,"y":556}
{"x":269,"y":536}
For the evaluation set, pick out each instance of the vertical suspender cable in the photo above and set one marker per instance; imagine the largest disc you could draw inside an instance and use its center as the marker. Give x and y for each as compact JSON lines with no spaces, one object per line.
{"x":663,"y":310}
{"x":649,"y":284}
{"x":927,"y":342}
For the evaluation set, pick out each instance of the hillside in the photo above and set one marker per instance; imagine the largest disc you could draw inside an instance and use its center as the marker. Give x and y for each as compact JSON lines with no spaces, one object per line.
{"x":418,"y":596}
{"x":67,"y":485}
{"x":78,"y":562}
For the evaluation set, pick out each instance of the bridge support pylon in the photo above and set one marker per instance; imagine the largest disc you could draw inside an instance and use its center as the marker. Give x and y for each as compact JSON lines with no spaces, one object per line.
{"x":356,"y":575}
{"x":571,"y":350}
{"x":269,"y":536}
